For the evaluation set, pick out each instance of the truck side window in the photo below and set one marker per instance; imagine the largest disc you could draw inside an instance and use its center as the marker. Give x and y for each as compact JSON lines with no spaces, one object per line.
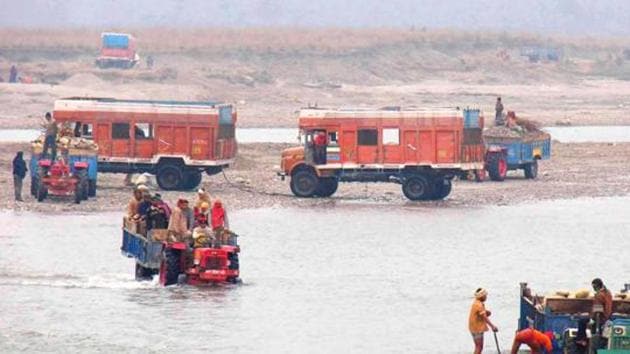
{"x":120,"y":130}
{"x":367,"y":137}
{"x":391,"y":136}
{"x":86,"y":130}
{"x":332,"y":138}
{"x":143,"y":131}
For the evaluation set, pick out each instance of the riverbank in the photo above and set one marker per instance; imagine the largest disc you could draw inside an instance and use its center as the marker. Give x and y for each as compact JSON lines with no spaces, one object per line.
{"x":576,"y":170}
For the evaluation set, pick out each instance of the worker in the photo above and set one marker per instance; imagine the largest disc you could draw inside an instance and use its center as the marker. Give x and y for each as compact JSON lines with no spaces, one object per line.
{"x":202,"y":235}
{"x":156,"y":217}
{"x":145,"y":205}
{"x":134,"y":202}
{"x":50,"y":140}
{"x":202,"y":197}
{"x":159,"y":203}
{"x":602,"y":310}
{"x":202,"y":213}
{"x":19,"y":172}
{"x":319,"y":147}
{"x":498,"y":115}
{"x":478,"y":320}
{"x":536,"y":340}
{"x":178,"y":224}
{"x":219,"y":221}
{"x":13,"y":73}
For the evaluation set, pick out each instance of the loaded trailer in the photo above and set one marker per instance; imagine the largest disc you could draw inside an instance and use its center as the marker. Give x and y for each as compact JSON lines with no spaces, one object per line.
{"x":505,"y":154}
{"x":564,"y":316}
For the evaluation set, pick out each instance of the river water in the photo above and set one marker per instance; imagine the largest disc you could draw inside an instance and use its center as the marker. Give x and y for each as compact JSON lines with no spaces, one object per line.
{"x":578,"y":134}
{"x":345,"y":278}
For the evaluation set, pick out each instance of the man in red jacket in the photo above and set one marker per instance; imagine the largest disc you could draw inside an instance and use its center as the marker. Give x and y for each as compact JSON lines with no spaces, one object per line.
{"x":319,"y":144}
{"x":219,"y":221}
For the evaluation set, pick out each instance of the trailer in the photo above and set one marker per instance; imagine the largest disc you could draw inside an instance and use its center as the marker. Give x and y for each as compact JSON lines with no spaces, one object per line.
{"x":505,"y":154}
{"x":564,"y":315}
{"x":420,"y":149}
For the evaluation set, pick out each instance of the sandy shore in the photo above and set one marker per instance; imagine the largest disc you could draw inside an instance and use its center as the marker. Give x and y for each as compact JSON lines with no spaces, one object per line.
{"x":576,"y":170}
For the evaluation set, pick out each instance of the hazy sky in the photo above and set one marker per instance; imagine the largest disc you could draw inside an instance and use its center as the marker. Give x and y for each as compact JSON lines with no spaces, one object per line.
{"x":558,"y":16}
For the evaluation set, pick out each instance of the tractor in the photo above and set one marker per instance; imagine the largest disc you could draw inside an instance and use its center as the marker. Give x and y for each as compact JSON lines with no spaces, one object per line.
{"x":58,"y":178}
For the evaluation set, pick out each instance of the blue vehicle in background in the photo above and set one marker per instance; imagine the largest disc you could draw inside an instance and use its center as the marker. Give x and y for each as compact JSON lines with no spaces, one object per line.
{"x":564,"y":315}
{"x":505,"y":153}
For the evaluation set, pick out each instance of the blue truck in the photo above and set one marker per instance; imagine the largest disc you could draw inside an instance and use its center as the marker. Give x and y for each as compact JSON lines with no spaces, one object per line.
{"x":563,"y":316}
{"x":514,"y":153}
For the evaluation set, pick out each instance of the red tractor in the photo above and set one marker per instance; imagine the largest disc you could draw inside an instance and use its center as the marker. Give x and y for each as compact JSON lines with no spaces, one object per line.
{"x":209,"y":265}
{"x":57,"y":178}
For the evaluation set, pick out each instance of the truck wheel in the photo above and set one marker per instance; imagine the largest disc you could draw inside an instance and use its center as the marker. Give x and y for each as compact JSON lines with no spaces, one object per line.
{"x":143,"y":273}
{"x":442,"y":188}
{"x":531,"y":170}
{"x":497,"y":166}
{"x":170,"y":267}
{"x":192,"y":179}
{"x":92,"y":188}
{"x":327,"y":187}
{"x":304,"y":184}
{"x":417,"y":188}
{"x":170,"y":177}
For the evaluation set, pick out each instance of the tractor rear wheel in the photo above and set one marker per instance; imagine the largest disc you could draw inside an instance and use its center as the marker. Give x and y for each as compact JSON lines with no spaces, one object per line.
{"x":327,"y":187}
{"x":78,"y":193}
{"x":531,"y":170}
{"x":417,"y":187}
{"x":497,"y":166}
{"x":143,"y":273}
{"x":192,"y":179}
{"x":170,"y":177}
{"x":304,"y":183}
{"x":442,"y":188}
{"x":171,"y":267}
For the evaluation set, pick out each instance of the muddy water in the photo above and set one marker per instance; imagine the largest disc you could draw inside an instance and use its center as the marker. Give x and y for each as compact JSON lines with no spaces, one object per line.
{"x":346,"y":278}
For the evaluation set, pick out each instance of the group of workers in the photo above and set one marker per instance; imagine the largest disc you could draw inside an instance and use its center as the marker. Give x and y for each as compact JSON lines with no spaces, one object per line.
{"x":539,"y":342}
{"x":202,"y":224}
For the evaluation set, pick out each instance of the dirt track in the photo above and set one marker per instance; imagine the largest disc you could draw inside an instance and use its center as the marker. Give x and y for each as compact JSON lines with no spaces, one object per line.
{"x":576,"y":170}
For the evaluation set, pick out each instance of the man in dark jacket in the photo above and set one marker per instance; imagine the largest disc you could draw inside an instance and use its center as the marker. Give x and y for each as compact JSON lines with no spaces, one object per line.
{"x":19,"y":172}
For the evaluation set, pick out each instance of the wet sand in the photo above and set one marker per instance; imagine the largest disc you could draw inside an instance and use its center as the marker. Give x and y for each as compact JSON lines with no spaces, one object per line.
{"x":575,"y":170}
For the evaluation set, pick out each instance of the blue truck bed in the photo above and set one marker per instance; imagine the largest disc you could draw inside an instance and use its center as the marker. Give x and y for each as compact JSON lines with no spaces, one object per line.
{"x":521,"y":151}
{"x":146,"y":252}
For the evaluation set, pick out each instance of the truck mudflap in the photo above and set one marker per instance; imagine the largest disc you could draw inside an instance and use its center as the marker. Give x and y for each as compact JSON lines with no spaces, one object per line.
{"x":146,"y":253}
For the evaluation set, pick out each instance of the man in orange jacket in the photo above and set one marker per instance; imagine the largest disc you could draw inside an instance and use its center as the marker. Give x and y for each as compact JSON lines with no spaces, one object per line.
{"x":536,"y":340}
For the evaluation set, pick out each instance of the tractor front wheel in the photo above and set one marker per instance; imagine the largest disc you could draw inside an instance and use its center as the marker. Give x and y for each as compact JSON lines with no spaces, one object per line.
{"x":531,"y":170}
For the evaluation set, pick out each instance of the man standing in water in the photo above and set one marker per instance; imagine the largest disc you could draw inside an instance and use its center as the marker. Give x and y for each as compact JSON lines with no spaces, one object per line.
{"x":478,"y":320}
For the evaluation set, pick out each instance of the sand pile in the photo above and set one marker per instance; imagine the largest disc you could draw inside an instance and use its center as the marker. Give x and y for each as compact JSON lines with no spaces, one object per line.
{"x":83,"y":80}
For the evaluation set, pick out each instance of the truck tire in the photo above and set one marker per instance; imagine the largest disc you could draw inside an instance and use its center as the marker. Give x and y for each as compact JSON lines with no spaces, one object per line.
{"x":442,"y":188}
{"x":531,"y":170}
{"x":170,"y":268}
{"x":304,"y":184}
{"x":92,"y":188}
{"x":327,"y":187}
{"x":497,"y":166}
{"x":192,"y":179}
{"x":143,"y":273}
{"x":417,"y":188}
{"x":170,"y":177}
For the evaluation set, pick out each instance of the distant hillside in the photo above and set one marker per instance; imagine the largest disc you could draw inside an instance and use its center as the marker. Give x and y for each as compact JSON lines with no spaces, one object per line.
{"x":602,"y":17}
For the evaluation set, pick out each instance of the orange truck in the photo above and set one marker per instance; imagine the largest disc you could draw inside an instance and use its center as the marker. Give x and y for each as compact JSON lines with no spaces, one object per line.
{"x":423,"y":150}
{"x":177,"y":141}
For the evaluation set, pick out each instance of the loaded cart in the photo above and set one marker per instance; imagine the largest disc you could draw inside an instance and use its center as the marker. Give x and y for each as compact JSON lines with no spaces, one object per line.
{"x":505,"y":152}
{"x":568,"y":316}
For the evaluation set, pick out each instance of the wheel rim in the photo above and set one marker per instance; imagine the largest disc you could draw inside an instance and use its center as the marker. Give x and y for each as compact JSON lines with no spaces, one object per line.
{"x":305,"y":184}
{"x":502,"y":167}
{"x":416,"y":187}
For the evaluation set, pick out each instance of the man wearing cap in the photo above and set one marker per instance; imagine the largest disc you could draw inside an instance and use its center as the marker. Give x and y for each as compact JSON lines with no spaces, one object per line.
{"x":478,"y":320}
{"x":536,"y":340}
{"x":202,"y":197}
{"x":178,"y":223}
{"x":134,"y":202}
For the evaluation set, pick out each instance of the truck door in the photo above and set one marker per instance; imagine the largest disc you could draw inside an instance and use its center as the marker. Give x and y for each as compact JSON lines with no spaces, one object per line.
{"x":120,"y":139}
{"x":103,"y":139}
{"x":200,"y":138}
{"x":391,"y":145}
{"x":348,"y":146}
{"x":367,"y":145}
{"x":410,"y":141}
